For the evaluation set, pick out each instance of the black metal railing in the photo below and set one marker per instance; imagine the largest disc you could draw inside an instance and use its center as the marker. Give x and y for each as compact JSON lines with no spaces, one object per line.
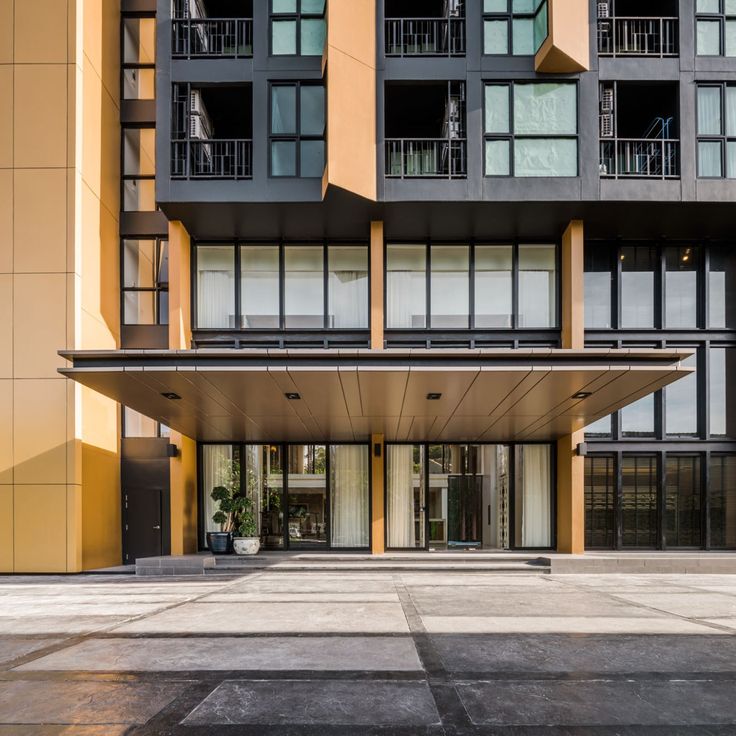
{"x":628,"y":158}
{"x":226,"y":38}
{"x":430,"y":158}
{"x":425,"y":37}
{"x":212,"y":159}
{"x":638,"y":37}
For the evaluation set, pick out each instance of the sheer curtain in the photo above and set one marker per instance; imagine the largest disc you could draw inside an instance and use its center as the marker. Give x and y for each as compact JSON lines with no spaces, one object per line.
{"x":215,"y":287}
{"x":217,"y":464}
{"x":533,"y":470}
{"x":349,"y":495}
{"x":400,"y":496}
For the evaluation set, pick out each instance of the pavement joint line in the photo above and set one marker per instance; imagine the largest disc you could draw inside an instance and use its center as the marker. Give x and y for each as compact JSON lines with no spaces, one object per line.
{"x":109,"y":628}
{"x":635,"y":604}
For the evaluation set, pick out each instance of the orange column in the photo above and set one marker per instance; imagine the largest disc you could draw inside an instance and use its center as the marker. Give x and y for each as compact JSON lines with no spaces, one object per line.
{"x":377,"y":285}
{"x":378,"y":507}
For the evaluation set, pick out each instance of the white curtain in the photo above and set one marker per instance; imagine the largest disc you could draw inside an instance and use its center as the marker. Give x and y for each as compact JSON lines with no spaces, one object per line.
{"x":535,"y":495}
{"x":349,"y":299}
{"x":216,"y":471}
{"x":214,"y":299}
{"x":349,"y":499}
{"x":400,"y":496}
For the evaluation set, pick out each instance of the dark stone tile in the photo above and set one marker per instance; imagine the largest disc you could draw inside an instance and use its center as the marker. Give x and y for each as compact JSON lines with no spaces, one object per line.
{"x":327,"y":702}
{"x":599,"y":703}
{"x":568,"y":654}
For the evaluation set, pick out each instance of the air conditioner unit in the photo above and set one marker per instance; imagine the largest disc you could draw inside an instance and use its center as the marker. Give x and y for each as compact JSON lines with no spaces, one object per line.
{"x":199,"y":121}
{"x":604,"y":9}
{"x":193,"y":9}
{"x":606,"y":99}
{"x":606,"y":124}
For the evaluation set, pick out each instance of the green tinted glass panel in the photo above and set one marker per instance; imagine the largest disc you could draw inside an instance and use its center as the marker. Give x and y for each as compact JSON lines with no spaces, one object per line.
{"x":283,"y":158}
{"x":522,"y":36}
{"x":545,"y":108}
{"x":495,"y":6}
{"x":496,"y":37}
{"x":284,"y":6}
{"x":313,"y":36}
{"x":709,"y":38}
{"x":497,"y":109}
{"x":313,"y":7}
{"x":498,"y":158}
{"x":545,"y":157}
{"x":708,"y":6}
{"x":283,"y":110}
{"x":709,"y":111}
{"x":283,"y":38}
{"x":312,"y":158}
{"x":312,"y":110}
{"x":731,"y":38}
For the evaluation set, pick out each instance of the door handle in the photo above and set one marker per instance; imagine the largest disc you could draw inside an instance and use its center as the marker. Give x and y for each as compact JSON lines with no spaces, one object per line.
{"x":158,"y":526}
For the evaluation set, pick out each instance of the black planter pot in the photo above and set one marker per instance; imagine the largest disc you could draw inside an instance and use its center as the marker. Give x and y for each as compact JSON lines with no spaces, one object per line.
{"x":220,"y":543}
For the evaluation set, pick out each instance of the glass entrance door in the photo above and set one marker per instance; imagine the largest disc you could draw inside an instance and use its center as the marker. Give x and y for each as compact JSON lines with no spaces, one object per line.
{"x":406,"y":497}
{"x":307,"y":510}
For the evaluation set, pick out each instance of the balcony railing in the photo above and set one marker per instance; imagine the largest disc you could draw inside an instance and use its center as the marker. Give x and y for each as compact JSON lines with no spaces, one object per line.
{"x":626,"y":158}
{"x":638,"y":37}
{"x":212,"y":159}
{"x":226,"y":38}
{"x":426,"y":158}
{"x":425,"y":37}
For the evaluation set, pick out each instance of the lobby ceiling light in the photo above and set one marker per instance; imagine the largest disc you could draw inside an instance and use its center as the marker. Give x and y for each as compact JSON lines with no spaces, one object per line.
{"x":292,"y":396}
{"x":434,"y":397}
{"x":171,"y":396}
{"x":582,"y":395}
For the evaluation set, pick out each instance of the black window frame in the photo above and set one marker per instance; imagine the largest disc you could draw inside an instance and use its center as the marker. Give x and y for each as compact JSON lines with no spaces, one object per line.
{"x":158,"y":289}
{"x":135,"y":65}
{"x":722,"y":17}
{"x":511,"y":136}
{"x":297,"y":17}
{"x":723,"y":138}
{"x":509,"y":17}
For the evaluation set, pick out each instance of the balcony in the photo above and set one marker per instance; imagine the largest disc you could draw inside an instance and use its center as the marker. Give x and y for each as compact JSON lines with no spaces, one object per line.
{"x":207,"y":38}
{"x":212,"y":159}
{"x":425,"y":37}
{"x":640,"y":159}
{"x":657,"y":37}
{"x":426,"y":158}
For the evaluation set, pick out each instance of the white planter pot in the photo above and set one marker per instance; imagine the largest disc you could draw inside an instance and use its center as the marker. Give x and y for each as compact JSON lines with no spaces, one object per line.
{"x":246,"y":545}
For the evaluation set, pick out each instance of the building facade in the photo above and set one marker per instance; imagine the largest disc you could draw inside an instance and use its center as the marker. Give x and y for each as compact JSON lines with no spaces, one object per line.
{"x":439,"y":275}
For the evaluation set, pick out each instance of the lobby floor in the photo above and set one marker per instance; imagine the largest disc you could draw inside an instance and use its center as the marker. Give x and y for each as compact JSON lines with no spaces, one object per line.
{"x":380,"y":652}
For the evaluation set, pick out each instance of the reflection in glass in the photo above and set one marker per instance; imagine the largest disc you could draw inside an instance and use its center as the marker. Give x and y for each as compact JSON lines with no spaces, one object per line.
{"x":493,"y":286}
{"x":450,"y":286}
{"x":601,"y":428}
{"x":283,"y":109}
{"x":313,"y":36}
{"x":406,"y":286}
{"x":259,"y":286}
{"x":349,"y":495}
{"x":307,"y":496}
{"x":708,"y":38}
{"x":600,"y":492}
{"x":216,"y":286}
{"x":405,"y":498}
{"x":721,"y":300}
{"x":348,"y":286}
{"x":722,"y":387}
{"x":682,"y":515}
{"x":533,"y":498}
{"x":639,"y":501}
{"x":681,"y":287}
{"x":637,"y":286}
{"x":312,"y":110}
{"x":139,"y":40}
{"x":220,"y":467}
{"x":681,"y":400}
{"x":637,"y":419}
{"x":710,"y":116}
{"x":304,"y":286}
{"x":598,"y":287}
{"x":283,"y":37}
{"x":138,"y":425}
{"x":723,"y":501}
{"x":265,"y":485}
{"x":496,"y":37}
{"x":537,"y":285}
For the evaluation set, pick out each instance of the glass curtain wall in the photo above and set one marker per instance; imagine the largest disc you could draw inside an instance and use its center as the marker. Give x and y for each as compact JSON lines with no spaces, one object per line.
{"x":682,"y":516}
{"x":259,"y":287}
{"x":494,"y":286}
{"x":347,"y":286}
{"x":220,"y":468}
{"x":307,"y":496}
{"x":722,"y":473}
{"x":405,"y":497}
{"x":216,"y":287}
{"x":600,"y":493}
{"x":349,"y":496}
{"x":639,"y":502}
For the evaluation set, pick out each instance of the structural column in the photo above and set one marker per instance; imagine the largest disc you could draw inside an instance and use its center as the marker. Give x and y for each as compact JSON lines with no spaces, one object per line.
{"x":570,"y":466}
{"x":378,"y":506}
{"x":377,"y":298}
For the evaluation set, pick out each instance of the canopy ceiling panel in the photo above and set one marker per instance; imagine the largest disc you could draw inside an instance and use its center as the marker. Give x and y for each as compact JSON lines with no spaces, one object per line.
{"x":412,"y":395}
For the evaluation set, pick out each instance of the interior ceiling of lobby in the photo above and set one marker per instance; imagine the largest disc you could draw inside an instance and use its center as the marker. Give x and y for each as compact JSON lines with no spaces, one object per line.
{"x":485,"y":395}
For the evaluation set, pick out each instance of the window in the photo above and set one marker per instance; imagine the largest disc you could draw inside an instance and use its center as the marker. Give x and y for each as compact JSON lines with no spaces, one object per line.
{"x":600,"y":491}
{"x":531,"y":129}
{"x":517,"y":27}
{"x":145,"y":289}
{"x":139,"y":425}
{"x":139,"y":58}
{"x":716,"y":131}
{"x":681,"y":400}
{"x":533,"y":498}
{"x":682,"y":266}
{"x":715,"y":27}
{"x":349,"y":496}
{"x":281,"y":286}
{"x":139,"y":169}
{"x":297,"y":27}
{"x":637,"y":419}
{"x":722,"y":391}
{"x":682,"y":516}
{"x":598,"y":288}
{"x":297,"y":130}
{"x":721,"y":300}
{"x":639,"y":501}
{"x":444,"y":275}
{"x":638,"y":268}
{"x":723,"y":501}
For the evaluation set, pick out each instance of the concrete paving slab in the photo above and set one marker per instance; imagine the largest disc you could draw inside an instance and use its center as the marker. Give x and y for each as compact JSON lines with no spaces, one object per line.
{"x":84,"y":702}
{"x":600,"y":703}
{"x":371,"y":654}
{"x":18,"y":730}
{"x":58,"y":625}
{"x":326,"y":702}
{"x":13,"y":647}
{"x":236,"y":618}
{"x":289,"y":597}
{"x":562,"y":625}
{"x":690,"y":604}
{"x":464,"y":580}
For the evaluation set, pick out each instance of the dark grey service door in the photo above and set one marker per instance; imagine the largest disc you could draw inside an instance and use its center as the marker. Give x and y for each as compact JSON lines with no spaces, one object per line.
{"x":142,"y":528}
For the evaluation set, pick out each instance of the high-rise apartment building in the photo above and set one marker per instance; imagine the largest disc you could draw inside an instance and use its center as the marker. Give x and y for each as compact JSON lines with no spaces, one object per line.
{"x":449,"y":274}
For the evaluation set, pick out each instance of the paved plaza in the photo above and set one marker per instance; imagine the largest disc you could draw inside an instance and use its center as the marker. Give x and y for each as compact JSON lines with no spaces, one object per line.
{"x":278,"y":653}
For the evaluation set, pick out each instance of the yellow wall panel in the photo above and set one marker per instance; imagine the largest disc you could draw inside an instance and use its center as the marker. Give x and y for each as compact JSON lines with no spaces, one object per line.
{"x":91,"y":128}
{"x":6,"y":31}
{"x":6,"y":529}
{"x":41,"y":32}
{"x":74,"y":528}
{"x":39,"y":429}
{"x":6,"y":116}
{"x":6,"y":431}
{"x":6,"y":221}
{"x":40,"y":91}
{"x":38,"y":313}
{"x":100,"y":508}
{"x":183,"y":496}
{"x":40,"y":520}
{"x":110,"y":153}
{"x":40,"y":242}
{"x":6,"y":325}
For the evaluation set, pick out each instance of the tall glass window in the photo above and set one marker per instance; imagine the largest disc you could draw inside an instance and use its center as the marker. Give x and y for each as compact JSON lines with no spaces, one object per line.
{"x":533,"y":500}
{"x":450,"y":286}
{"x":348,"y":286}
{"x":220,"y":468}
{"x":304,"y":286}
{"x":598,"y":287}
{"x":600,"y":492}
{"x":517,"y":27}
{"x":721,"y":298}
{"x":537,"y":286}
{"x":307,"y":496}
{"x":259,"y":286}
{"x":349,"y":495}
{"x":638,"y":267}
{"x":682,"y":517}
{"x":681,"y":287}
{"x":681,"y":401}
{"x":494,"y":286}
{"x":722,"y":385}
{"x":717,"y":131}
{"x":405,"y":497}
{"x":265,"y":482}
{"x":297,"y":27}
{"x":639,"y":501}
{"x":216,"y":286}
{"x":531,"y":129}
{"x":715,"y":27}
{"x":406,"y":286}
{"x":145,"y":282}
{"x":723,"y":501}
{"x":637,"y":419}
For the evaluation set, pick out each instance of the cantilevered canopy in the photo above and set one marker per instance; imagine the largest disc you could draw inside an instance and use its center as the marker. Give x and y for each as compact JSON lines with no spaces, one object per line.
{"x":346,"y":395}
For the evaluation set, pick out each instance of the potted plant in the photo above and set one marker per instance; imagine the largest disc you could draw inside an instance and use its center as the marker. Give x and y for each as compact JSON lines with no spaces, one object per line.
{"x":246,"y":542}
{"x":219,"y":542}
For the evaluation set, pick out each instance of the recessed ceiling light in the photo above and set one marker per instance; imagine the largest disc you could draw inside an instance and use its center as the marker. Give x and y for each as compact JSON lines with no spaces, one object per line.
{"x":292,"y":396}
{"x":434,"y":397}
{"x":581,"y":395}
{"x":171,"y":396}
